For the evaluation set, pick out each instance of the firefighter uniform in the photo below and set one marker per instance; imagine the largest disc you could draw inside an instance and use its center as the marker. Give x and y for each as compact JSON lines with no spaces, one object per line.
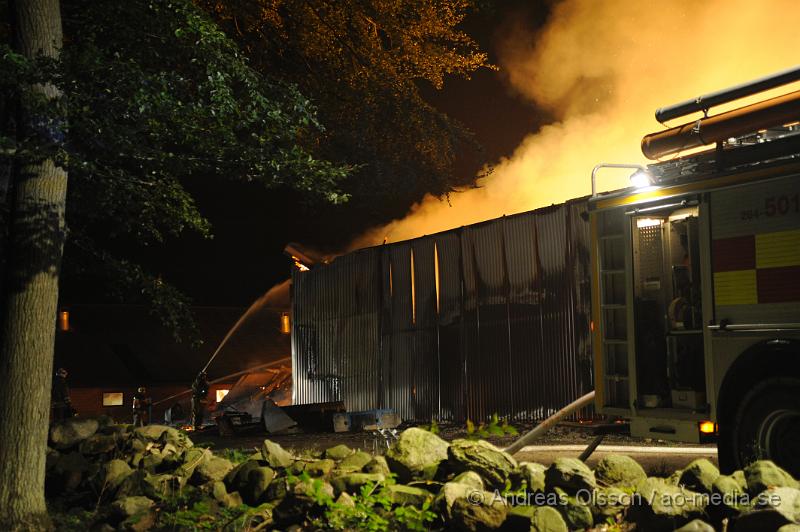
{"x":141,"y":407}
{"x":199,"y":399}
{"x":61,"y":404}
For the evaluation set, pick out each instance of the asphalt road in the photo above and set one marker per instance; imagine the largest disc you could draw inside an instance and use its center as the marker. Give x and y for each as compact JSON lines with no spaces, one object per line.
{"x":657,"y":461}
{"x":657,"y":457}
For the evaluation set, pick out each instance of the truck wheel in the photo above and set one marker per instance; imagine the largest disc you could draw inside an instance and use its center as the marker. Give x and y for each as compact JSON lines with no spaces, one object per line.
{"x":766,"y":427}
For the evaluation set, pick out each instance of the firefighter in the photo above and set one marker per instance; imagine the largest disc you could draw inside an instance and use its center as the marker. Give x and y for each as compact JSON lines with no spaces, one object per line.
{"x":141,"y":407}
{"x":59,"y":396}
{"x":199,"y":399}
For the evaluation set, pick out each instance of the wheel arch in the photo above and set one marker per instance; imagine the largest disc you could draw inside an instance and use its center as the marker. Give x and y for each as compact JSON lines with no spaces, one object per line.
{"x":776,"y":357}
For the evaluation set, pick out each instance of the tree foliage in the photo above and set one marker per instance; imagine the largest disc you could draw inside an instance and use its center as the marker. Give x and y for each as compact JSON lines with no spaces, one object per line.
{"x":159,"y":97}
{"x":155,"y":95}
{"x":363,"y":61}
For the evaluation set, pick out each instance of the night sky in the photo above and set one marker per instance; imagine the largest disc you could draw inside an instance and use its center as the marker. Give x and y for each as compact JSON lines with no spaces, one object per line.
{"x":252,"y":225}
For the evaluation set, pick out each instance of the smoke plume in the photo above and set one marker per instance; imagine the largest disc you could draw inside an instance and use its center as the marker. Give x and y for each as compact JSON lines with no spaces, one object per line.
{"x":602,"y":68}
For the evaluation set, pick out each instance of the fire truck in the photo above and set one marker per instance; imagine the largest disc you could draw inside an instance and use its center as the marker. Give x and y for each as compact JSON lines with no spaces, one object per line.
{"x":696,"y":280}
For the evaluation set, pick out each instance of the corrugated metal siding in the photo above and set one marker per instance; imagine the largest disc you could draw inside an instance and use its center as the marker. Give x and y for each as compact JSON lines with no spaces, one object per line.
{"x":506,"y":332}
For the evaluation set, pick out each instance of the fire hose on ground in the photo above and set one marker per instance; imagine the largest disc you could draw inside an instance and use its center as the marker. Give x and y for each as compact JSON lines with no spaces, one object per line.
{"x":540,"y":429}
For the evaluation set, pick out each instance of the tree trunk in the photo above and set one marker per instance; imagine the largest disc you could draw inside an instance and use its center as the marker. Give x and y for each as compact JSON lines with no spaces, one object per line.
{"x":30,"y":290}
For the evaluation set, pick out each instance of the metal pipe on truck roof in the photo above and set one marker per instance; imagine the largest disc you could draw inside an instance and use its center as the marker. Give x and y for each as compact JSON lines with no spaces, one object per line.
{"x":704,"y":102}
{"x":749,"y":119}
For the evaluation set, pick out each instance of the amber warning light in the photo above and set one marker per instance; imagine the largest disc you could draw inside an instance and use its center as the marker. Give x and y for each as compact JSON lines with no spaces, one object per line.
{"x":286,"y":324}
{"x":708,"y":427}
{"x":63,"y":320}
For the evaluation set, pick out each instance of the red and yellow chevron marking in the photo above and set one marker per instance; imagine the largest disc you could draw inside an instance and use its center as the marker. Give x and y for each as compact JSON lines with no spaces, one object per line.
{"x":753,"y":269}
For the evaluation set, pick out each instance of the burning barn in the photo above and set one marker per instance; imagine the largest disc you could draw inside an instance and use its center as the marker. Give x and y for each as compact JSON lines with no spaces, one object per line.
{"x":488,"y":318}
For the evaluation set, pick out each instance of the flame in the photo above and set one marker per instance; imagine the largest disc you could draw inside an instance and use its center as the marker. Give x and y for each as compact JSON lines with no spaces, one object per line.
{"x":602,"y":68}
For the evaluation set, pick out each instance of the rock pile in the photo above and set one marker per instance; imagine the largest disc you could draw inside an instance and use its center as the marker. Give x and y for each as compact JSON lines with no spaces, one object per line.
{"x":129,"y":478}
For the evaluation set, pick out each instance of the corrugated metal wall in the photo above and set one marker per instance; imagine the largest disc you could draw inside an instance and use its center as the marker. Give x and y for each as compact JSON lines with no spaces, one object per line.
{"x":492,"y":317}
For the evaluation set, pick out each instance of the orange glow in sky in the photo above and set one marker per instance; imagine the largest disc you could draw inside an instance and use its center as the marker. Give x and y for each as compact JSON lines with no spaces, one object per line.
{"x":603,"y":68}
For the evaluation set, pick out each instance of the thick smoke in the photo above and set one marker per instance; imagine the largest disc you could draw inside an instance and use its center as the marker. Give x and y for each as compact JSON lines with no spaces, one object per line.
{"x":602,"y":68}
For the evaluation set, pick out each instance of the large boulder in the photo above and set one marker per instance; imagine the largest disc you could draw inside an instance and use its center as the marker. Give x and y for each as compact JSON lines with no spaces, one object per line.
{"x":403,"y":495}
{"x":215,"y":468}
{"x":98,"y":444}
{"x":258,"y":480}
{"x":378,"y":465}
{"x":236,"y":479}
{"x":547,"y":519}
{"x":151,"y":432}
{"x":136,"y":513}
{"x":319,"y":468}
{"x":338,"y":452}
{"x":569,"y":474}
{"x":662,"y":506}
{"x":68,"y":473}
{"x":729,"y":498}
{"x":470,"y":478}
{"x":619,"y":470}
{"x":220,"y":494}
{"x":163,"y":434}
{"x":276,"y":456}
{"x":134,"y":485}
{"x":355,"y":462}
{"x":739,"y":477}
{"x":113,"y":473}
{"x":609,"y":502}
{"x":696,"y":525}
{"x":494,"y":465}
{"x":345,"y":499}
{"x":447,"y":496}
{"x":699,"y":476}
{"x":352,"y":482}
{"x":771,"y":510}
{"x":478,"y":511}
{"x":727,"y":484}
{"x":70,"y":432}
{"x":190,"y":460}
{"x":151,"y":462}
{"x":577,"y":514}
{"x":533,"y":476}
{"x":764,"y":474}
{"x":416,"y":454}
{"x":276,"y":491}
{"x":164,"y":485}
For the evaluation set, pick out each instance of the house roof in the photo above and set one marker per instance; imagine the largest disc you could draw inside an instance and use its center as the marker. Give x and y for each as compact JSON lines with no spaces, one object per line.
{"x":115,"y":345}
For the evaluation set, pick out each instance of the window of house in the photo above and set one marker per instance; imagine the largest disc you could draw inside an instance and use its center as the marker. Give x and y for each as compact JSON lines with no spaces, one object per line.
{"x":112,"y":398}
{"x":221,"y":394}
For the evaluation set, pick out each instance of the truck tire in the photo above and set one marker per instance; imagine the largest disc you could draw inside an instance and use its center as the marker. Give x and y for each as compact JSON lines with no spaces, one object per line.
{"x":766,"y":427}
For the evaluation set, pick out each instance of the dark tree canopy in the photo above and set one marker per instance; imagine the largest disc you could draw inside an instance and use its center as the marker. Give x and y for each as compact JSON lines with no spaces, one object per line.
{"x":149,"y":107}
{"x":161,"y":99}
{"x":362,"y":61}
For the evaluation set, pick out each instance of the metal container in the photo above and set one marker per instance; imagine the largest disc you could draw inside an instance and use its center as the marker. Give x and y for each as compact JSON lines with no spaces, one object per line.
{"x":487,"y":318}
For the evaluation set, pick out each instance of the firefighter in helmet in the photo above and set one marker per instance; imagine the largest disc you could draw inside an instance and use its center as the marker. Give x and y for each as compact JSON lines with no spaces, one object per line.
{"x":59,"y":396}
{"x":199,"y":399}
{"x":141,"y":407}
